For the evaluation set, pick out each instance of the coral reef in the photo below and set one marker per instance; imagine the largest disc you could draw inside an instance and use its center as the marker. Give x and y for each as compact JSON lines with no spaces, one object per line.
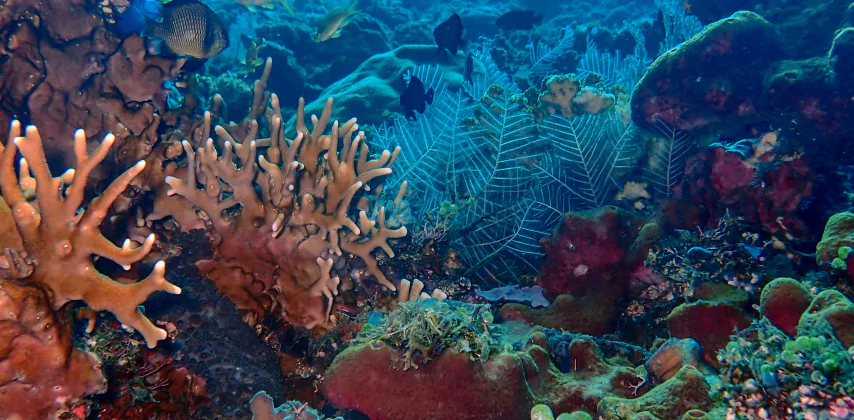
{"x":758,"y":78}
{"x":577,"y":246}
{"x":423,"y":328}
{"x":300,"y":224}
{"x":766,"y":374}
{"x":64,"y":69}
{"x":752,"y":180}
{"x":506,"y":386}
{"x":48,"y":263}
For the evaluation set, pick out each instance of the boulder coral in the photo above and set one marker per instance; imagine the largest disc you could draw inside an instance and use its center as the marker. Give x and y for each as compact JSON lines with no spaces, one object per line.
{"x":709,"y":323}
{"x":836,"y":243}
{"x":452,"y":386}
{"x":783,"y":301}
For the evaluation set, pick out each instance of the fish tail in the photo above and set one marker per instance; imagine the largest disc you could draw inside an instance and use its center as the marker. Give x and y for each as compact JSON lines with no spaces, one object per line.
{"x":287,"y":6}
{"x":429,"y":96}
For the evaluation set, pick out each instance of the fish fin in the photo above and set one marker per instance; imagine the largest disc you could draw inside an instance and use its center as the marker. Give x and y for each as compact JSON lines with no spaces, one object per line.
{"x":429,"y":96}
{"x":193,"y":64}
{"x":337,"y":33}
{"x":153,"y":42}
{"x":287,"y":6}
{"x":352,"y":3}
{"x":252,"y":8}
{"x":409,"y":113}
{"x":247,"y":42}
{"x":267,"y":6}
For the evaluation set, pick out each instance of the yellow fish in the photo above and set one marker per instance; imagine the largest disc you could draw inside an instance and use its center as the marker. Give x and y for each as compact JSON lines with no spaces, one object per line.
{"x":266,"y":4}
{"x":334,"y":22}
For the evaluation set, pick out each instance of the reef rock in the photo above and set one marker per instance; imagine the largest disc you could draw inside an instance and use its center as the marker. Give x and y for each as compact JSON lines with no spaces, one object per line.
{"x":740,"y":71}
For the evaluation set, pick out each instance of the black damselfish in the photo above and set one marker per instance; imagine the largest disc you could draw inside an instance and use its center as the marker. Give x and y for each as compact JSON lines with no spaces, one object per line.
{"x":414,"y":98}
{"x":449,"y":35}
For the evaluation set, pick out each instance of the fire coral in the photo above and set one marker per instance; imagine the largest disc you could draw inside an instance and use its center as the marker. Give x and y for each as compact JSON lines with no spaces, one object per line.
{"x":48,"y":245}
{"x":281,"y":220}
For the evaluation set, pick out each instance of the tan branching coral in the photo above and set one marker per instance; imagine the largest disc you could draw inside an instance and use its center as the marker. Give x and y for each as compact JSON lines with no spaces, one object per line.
{"x":60,"y":240}
{"x":281,"y":219}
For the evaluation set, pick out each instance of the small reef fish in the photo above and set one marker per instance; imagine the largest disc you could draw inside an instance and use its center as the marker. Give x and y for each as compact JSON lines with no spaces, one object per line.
{"x":252,"y":59}
{"x":265,"y":4}
{"x":332,"y":24}
{"x":191,"y":29}
{"x":449,"y":35}
{"x":469,"y":69}
{"x":519,"y":20}
{"x":414,"y":98}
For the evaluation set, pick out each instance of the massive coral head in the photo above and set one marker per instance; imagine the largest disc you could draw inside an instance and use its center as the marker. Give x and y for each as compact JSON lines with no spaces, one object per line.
{"x":280,"y":217}
{"x":60,"y":240}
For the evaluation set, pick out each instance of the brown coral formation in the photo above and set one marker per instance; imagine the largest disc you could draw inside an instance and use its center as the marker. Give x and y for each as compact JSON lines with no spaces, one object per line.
{"x":278,"y":252}
{"x":48,"y":261}
{"x":62,"y":69}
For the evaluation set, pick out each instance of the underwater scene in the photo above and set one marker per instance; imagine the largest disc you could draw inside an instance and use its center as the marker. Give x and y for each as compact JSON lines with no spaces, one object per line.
{"x":417,"y":210}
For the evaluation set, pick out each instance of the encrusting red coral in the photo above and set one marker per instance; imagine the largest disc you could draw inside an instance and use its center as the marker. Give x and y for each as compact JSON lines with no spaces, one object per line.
{"x":47,"y":262}
{"x":277,"y":253}
{"x":41,"y":372}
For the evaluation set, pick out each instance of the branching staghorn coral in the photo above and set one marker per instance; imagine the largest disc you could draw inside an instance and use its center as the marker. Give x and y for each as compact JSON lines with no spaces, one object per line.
{"x":281,"y":219}
{"x":61,"y":241}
